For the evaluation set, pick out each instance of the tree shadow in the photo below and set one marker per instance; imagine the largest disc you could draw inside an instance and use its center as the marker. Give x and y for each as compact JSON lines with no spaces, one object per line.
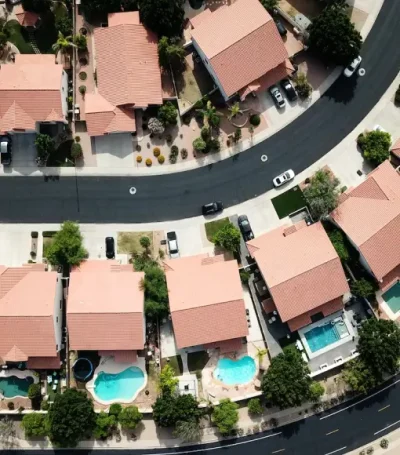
{"x":342,"y":91}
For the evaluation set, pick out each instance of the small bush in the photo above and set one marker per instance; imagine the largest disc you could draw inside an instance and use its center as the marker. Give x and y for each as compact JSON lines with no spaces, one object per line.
{"x":244,"y":277}
{"x":82,"y":76}
{"x":303,"y":87}
{"x":184,"y":154}
{"x":21,"y":409}
{"x":254,"y":407}
{"x":237,"y":135}
{"x":115,"y":409}
{"x":11,"y":406}
{"x":77,"y":139}
{"x":138,"y":148}
{"x":199,"y":145}
{"x":384,"y":443}
{"x":174,"y":150}
{"x":149,"y":162}
{"x":76,"y":150}
{"x":186,"y":119}
{"x":161,"y":159}
{"x":172,"y":158}
{"x":34,"y":392}
{"x":156,"y":152}
{"x":139,"y":159}
{"x":168,"y":138}
{"x":34,"y":234}
{"x":44,"y":405}
{"x":82,"y":89}
{"x":255,"y":120}
{"x":214,"y":145}
{"x":205,"y":133}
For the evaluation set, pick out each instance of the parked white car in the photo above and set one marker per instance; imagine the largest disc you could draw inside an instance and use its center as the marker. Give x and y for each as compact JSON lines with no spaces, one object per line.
{"x":172,"y":245}
{"x":351,"y":68}
{"x":283,"y":178}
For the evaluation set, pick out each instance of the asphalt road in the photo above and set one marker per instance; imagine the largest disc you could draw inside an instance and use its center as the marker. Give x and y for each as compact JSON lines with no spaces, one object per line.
{"x":340,"y":430}
{"x":180,"y":195}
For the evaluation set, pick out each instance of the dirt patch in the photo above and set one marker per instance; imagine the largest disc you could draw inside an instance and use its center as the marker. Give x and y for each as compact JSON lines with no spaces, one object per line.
{"x":129,"y":242}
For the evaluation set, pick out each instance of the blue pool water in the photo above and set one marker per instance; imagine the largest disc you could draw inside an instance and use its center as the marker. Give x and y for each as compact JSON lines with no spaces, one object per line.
{"x":12,"y":386}
{"x":322,"y":336}
{"x":392,"y":297}
{"x":232,"y":372}
{"x":121,"y":386}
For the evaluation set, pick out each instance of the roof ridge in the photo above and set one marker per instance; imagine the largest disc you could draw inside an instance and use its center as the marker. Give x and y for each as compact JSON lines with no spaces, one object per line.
{"x":208,"y":305}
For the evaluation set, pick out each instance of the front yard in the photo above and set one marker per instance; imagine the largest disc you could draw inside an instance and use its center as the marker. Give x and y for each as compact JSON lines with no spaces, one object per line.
{"x":214,"y":226}
{"x":289,"y":202}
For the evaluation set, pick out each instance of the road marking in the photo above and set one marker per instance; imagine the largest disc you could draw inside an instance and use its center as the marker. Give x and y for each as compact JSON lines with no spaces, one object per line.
{"x":225,"y":445}
{"x":383,"y":429}
{"x":338,"y":450}
{"x":334,"y":431}
{"x":278,"y":451}
{"x":358,"y":402}
{"x":132,"y":190}
{"x":388,"y":406}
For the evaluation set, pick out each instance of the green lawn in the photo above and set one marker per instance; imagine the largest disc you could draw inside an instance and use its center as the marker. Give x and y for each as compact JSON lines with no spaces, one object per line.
{"x":197,"y":360}
{"x":175,"y":363}
{"x":19,"y":37}
{"x":214,"y":226}
{"x":288,"y":202}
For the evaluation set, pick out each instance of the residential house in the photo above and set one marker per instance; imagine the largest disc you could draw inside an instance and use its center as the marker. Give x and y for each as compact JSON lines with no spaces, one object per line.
{"x":105,"y":310}
{"x":241,"y":48}
{"x":33,"y":90}
{"x":206,"y":302}
{"x":128,"y":75}
{"x":31,"y":305}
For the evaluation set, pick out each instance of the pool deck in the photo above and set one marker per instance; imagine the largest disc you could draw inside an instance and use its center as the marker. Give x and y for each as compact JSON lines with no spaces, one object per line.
{"x":384,"y":306}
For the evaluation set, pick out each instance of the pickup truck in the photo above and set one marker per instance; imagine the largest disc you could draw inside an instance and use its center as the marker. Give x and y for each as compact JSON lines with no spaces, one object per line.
{"x":5,"y":150}
{"x":172,"y":245}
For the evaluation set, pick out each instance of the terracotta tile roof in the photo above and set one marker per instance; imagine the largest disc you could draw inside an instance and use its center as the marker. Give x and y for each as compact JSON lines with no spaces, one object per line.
{"x":206,"y":301}
{"x":26,"y":97}
{"x":370,"y":216}
{"x":26,"y":313}
{"x":44,"y":363}
{"x":25,"y":18}
{"x":129,"y":18}
{"x":197,"y":20}
{"x":105,"y":309}
{"x":396,"y":148}
{"x":127,"y":63}
{"x":241,"y":43}
{"x":226,"y":345}
{"x":295,"y":266}
{"x":121,"y":356}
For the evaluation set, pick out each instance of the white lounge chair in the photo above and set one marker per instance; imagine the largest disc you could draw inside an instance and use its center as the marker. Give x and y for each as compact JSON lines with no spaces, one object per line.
{"x":353,"y":352}
{"x":324,"y":366}
{"x":304,"y":356}
{"x":338,"y":359}
{"x":299,"y":345}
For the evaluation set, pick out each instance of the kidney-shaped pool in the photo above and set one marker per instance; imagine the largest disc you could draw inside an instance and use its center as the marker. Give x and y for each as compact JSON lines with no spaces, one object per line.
{"x":235,"y":372}
{"x":123,"y":386}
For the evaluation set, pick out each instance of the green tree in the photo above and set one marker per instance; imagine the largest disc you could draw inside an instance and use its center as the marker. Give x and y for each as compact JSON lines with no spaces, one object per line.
{"x":339,"y":243}
{"x":44,"y":145}
{"x":167,"y":382}
{"x":37,"y":6}
{"x":333,"y":36}
{"x":303,"y":87}
{"x":67,"y":246}
{"x":164,"y":17}
{"x":226,"y":416}
{"x":168,"y":114}
{"x":358,"y":376}
{"x":115,"y":410}
{"x":171,"y":53}
{"x":199,"y":144}
{"x":63,"y":24}
{"x":234,"y":111}
{"x":254,"y":407}
{"x":375,"y":146}
{"x":80,"y":42}
{"x":210,"y":115}
{"x":379,"y":346}
{"x":269,"y":5}
{"x":34,"y":425}
{"x":322,"y":194}
{"x":187,"y":408}
{"x":145,"y":242}
{"x":76,"y":150}
{"x":155,"y":292}
{"x":316,"y":391}
{"x":164,"y":411}
{"x":287,"y":383}
{"x":93,"y":9}
{"x":130,"y":417}
{"x":71,"y":418}
{"x":228,"y":237}
{"x":63,"y":44}
{"x":363,"y":288}
{"x":188,"y":431}
{"x":105,"y":425}
{"x":34,"y":392}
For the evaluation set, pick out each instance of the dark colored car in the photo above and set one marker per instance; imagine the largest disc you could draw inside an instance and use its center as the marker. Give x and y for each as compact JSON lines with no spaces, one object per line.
{"x":6,"y":150}
{"x":212,"y":207}
{"x":110,"y":248}
{"x":281,"y":28}
{"x":288,"y":88}
{"x":245,"y":227}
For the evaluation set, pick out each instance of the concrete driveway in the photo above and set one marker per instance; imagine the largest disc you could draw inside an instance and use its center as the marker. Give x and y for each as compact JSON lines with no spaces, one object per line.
{"x":24,"y":150}
{"x":114,"y":150}
{"x":15,"y":248}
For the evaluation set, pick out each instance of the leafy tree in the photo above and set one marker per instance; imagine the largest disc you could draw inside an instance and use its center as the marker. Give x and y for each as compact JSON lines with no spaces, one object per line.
{"x":358,"y":376}
{"x":228,"y":237}
{"x":71,"y":418}
{"x":199,"y":144}
{"x":375,"y":146}
{"x":210,"y":115}
{"x":188,"y":431}
{"x":44,"y":145}
{"x":63,"y":44}
{"x":155,"y":310}
{"x":333,"y":36}
{"x":37,"y":6}
{"x":76,"y":150}
{"x":254,"y":407}
{"x":339,"y":243}
{"x":303,"y":87}
{"x":7,"y":431}
{"x":234,"y":111}
{"x":226,"y":416}
{"x":287,"y":383}
{"x":34,"y":392}
{"x":164,"y":17}
{"x":167,"y":382}
{"x":63,"y":24}
{"x":316,"y":391}
{"x":145,"y":242}
{"x":130,"y":417}
{"x":115,"y":410}
{"x":164,"y":411}
{"x":322,"y":194}
{"x":105,"y":425}
{"x":34,"y":424}
{"x":98,"y":8}
{"x":363,"y":288}
{"x":379,"y":346}
{"x":187,"y":408}
{"x":155,"y":292}
{"x":168,"y":114}
{"x":269,"y":5}
{"x":80,"y":42}
{"x":171,"y":53}
{"x":3,"y":39}
{"x":67,"y":248}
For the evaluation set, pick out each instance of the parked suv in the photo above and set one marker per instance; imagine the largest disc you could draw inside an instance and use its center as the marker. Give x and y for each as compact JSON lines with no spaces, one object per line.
{"x":212,"y":207}
{"x":110,"y":248}
{"x":172,"y":245}
{"x":6,"y":149}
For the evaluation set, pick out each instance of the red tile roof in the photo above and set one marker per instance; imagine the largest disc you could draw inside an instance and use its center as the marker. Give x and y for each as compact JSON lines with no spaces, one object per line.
{"x":44,"y":363}
{"x":396,"y":148}
{"x":241,"y":42}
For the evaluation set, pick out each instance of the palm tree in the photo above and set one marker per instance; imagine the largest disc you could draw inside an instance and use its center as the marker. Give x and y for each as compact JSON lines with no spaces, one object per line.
{"x":63,"y":44}
{"x":234,"y":110}
{"x":210,"y":115}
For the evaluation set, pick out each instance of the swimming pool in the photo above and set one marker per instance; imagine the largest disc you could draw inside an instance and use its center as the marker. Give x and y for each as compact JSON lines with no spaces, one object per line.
{"x":323,"y":335}
{"x":392,"y":297}
{"x":232,"y":372}
{"x":12,"y":386}
{"x":122,"y":386}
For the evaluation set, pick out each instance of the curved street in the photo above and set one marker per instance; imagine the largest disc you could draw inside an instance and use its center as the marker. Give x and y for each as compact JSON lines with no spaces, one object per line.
{"x":234,"y":180}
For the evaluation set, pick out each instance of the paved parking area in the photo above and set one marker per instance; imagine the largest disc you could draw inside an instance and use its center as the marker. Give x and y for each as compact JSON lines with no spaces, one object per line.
{"x":114,"y":150}
{"x":24,"y":150}
{"x":15,"y":247}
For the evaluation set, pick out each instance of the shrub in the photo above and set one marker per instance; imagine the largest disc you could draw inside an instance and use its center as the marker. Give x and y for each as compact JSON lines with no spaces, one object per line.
{"x":161,"y":159}
{"x":255,"y":120}
{"x":186,"y":119}
{"x":115,"y":409}
{"x":82,"y":89}
{"x":10,"y":406}
{"x":214,"y":121}
{"x":226,"y":416}
{"x":384,"y":443}
{"x":205,"y":133}
{"x":363,"y":288}
{"x":254,"y":406}
{"x":149,"y":162}
{"x":397,"y":96}
{"x":156,"y":152}
{"x":138,"y":148}
{"x":173,"y":158}
{"x":168,"y":138}
{"x":44,"y":405}
{"x":168,"y":114}
{"x":105,"y":425}
{"x":174,"y":150}
{"x":155,"y":126}
{"x":34,"y":234}
{"x":244,"y":276}
{"x":214,"y":144}
{"x":303,"y":87}
{"x":34,"y":392}
{"x":139,"y":159}
{"x":34,"y":425}
{"x":76,"y":150}
{"x":130,"y":417}
{"x":199,"y":145}
{"x":237,"y":135}
{"x":82,"y":76}
{"x":375,"y":146}
{"x":77,"y":139}
{"x":184,"y":154}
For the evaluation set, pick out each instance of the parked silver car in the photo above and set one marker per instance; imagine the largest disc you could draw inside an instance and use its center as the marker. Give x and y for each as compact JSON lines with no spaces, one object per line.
{"x":277,"y":96}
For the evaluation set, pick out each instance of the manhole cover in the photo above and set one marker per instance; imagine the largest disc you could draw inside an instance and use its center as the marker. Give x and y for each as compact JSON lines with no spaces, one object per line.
{"x":132,"y":190}
{"x":264,"y":158}
{"x":361,"y":72}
